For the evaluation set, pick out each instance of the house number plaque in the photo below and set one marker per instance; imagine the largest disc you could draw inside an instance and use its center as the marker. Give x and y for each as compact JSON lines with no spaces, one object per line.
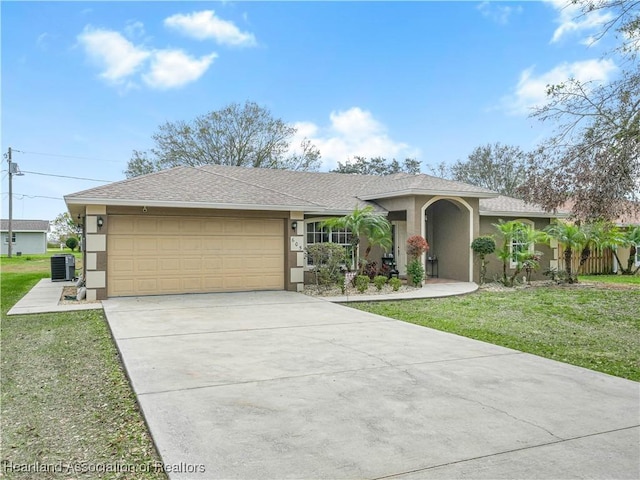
{"x":297,"y":244}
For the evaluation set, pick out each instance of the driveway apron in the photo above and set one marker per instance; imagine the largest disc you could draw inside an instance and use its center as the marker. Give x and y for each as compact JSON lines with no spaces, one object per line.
{"x":275,"y":385}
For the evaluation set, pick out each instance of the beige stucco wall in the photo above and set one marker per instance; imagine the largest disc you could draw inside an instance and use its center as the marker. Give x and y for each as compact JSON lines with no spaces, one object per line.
{"x":494,"y":267}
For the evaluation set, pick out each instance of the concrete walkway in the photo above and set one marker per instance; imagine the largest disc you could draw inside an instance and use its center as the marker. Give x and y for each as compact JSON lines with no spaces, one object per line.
{"x":277,"y":385}
{"x":45,"y":295}
{"x":429,"y":290}
{"x":44,"y":298}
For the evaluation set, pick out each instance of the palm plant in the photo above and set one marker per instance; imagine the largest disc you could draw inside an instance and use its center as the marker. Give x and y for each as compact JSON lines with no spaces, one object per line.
{"x":364,"y":223}
{"x":632,"y":239}
{"x":572,"y":238}
{"x":602,"y":235}
{"x":525,"y":235}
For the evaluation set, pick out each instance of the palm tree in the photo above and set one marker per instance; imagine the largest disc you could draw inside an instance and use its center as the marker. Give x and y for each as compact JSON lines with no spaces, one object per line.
{"x":572,"y":238}
{"x":632,"y":239}
{"x":525,"y":235}
{"x":364,"y":223}
{"x":603,"y":235}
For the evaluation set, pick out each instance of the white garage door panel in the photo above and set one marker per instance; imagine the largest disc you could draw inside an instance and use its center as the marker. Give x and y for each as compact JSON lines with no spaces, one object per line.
{"x":163,"y":255}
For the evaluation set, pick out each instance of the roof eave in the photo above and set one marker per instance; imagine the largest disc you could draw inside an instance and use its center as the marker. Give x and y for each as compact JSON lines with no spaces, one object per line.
{"x":429,"y":192}
{"x":175,"y":204}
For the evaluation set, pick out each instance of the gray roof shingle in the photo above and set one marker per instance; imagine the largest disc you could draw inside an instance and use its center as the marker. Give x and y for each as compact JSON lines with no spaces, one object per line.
{"x":264,"y":188}
{"x":503,"y":205}
{"x":25,"y":225}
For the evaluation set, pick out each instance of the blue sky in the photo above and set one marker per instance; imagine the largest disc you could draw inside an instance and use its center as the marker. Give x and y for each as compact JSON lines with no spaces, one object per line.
{"x":427,"y":80}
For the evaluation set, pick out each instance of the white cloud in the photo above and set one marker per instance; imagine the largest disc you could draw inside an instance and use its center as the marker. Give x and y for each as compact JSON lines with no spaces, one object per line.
{"x":573,"y":21}
{"x":531,"y":89}
{"x":134,"y":29}
{"x":174,"y":68}
{"x":497,"y":12}
{"x":117,"y":56}
{"x":204,"y":25}
{"x":353,"y":132}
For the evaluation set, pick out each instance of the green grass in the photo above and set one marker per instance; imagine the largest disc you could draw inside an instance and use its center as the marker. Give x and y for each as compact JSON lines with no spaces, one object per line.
{"x":587,"y":326}
{"x":623,"y":279}
{"x":36,"y":263}
{"x":64,"y":395}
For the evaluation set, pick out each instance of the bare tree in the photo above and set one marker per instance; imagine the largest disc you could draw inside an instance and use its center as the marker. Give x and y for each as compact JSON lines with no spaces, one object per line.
{"x":593,"y":159}
{"x":238,"y":135}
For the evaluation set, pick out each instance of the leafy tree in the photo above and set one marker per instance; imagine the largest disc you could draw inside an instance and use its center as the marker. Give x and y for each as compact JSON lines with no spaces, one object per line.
{"x":63,"y":227}
{"x":593,"y":158}
{"x":363,"y":223}
{"x":497,"y":167}
{"x":378,"y":166}
{"x":72,"y":243}
{"x":483,"y":246}
{"x":239,"y":135}
{"x":572,"y":238}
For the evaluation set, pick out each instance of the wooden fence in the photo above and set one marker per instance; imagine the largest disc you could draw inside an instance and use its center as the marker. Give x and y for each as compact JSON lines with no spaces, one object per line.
{"x":600,"y":261}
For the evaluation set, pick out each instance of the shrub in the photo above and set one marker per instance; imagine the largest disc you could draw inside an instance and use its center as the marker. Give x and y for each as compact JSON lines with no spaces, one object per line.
{"x":415,"y":270}
{"x":395,"y":283}
{"x":71,"y":243}
{"x":483,"y":246}
{"x":327,"y":259}
{"x":380,"y":281}
{"x":416,"y":246}
{"x":362,"y":283}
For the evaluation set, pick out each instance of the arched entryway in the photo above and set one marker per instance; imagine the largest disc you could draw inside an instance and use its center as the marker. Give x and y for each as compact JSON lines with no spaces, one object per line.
{"x":448,"y":227}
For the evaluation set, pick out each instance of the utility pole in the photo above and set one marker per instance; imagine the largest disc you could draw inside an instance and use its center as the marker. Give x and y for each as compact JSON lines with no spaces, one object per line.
{"x":9,"y":245}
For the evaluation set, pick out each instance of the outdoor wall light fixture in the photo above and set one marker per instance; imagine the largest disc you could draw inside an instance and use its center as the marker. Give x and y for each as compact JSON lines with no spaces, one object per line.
{"x":100,"y":222}
{"x":294,"y":225}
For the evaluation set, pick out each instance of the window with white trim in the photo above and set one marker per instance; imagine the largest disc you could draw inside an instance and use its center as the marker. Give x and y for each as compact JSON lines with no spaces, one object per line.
{"x":317,"y":233}
{"x":13,"y":237}
{"x":637,"y":262}
{"x":520,"y":243}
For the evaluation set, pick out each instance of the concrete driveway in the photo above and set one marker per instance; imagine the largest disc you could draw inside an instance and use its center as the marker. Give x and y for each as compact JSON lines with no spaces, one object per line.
{"x":273,"y":385}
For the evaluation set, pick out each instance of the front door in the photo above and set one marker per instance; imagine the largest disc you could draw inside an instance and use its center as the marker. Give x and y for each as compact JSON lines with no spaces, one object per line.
{"x":399,"y":245}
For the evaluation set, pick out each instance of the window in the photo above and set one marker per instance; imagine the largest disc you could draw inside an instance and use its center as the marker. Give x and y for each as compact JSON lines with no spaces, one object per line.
{"x":13,"y":237}
{"x":520,"y":244}
{"x":316,"y":233}
{"x":637,"y":254}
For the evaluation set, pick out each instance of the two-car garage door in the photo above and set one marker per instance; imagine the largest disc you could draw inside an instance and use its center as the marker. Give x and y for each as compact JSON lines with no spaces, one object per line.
{"x":150,"y":255}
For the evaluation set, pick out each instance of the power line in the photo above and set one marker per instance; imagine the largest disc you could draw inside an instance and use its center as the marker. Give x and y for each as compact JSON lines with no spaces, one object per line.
{"x":24,"y":195}
{"x":67,"y":156}
{"x":67,"y":176}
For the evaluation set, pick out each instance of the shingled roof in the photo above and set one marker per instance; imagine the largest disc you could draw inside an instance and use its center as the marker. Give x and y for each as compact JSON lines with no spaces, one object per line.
{"x":508,"y":206}
{"x":216,"y":186}
{"x":25,"y":225}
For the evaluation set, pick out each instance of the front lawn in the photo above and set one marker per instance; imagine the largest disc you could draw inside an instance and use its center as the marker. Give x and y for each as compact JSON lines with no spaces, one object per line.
{"x":65,"y":400}
{"x":623,"y":279}
{"x":589,"y":326}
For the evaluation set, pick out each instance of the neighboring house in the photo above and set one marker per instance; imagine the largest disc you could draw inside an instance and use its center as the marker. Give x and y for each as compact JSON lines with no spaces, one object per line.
{"x":29,"y":236}
{"x":217,"y":228}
